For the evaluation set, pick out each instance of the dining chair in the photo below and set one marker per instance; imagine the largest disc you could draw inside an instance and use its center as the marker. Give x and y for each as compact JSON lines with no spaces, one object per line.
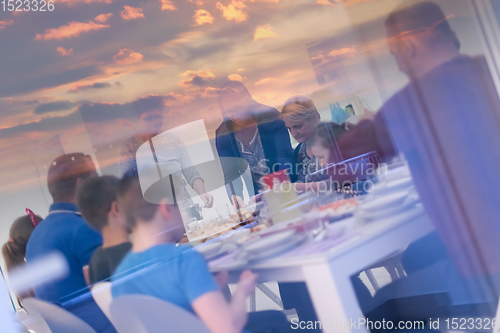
{"x":392,"y":265}
{"x":101,"y":292}
{"x":147,"y":314}
{"x":57,"y":320}
{"x":34,"y":323}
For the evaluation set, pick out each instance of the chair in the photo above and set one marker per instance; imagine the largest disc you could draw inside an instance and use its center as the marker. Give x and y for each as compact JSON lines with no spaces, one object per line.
{"x":34,"y":323}
{"x":147,"y":314}
{"x":101,"y":293}
{"x":56,"y":319}
{"x":392,"y":265}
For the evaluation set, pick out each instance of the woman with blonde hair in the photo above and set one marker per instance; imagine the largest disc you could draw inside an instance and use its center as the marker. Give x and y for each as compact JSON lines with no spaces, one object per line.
{"x":301,"y":118}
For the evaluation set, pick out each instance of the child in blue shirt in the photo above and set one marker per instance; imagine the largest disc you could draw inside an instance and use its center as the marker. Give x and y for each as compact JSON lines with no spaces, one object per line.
{"x":158,"y":268}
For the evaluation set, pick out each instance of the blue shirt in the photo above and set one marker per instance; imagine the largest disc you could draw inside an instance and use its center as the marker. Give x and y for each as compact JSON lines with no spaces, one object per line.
{"x":170,"y":273}
{"x":65,"y":231}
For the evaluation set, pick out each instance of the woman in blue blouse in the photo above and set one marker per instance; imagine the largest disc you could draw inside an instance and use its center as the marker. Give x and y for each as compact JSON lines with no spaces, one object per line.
{"x":252,"y":136}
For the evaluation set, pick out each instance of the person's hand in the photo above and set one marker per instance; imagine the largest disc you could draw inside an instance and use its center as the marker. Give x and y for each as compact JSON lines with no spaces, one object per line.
{"x":256,"y":198}
{"x":184,"y":239}
{"x":247,"y":283}
{"x":222,"y":279}
{"x":238,"y":203}
{"x":207,"y":199}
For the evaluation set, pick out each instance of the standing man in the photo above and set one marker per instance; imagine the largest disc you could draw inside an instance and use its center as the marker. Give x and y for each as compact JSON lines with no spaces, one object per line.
{"x":446,"y":122}
{"x":65,"y":231}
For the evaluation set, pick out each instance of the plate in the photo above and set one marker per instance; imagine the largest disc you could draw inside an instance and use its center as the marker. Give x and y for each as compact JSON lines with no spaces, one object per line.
{"x":279,"y":249}
{"x":407,"y":204}
{"x":385,"y":202}
{"x":223,"y":250}
{"x":230,"y":265}
{"x":209,"y":249}
{"x":402,"y":183}
{"x":269,"y":241}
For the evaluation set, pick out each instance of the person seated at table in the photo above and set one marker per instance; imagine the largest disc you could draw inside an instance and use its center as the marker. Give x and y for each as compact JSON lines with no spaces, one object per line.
{"x":323,"y":143}
{"x":252,"y":132}
{"x":65,"y":231}
{"x":301,"y":118}
{"x":157,"y":267}
{"x":149,"y":112}
{"x":14,"y":251}
{"x":98,"y":204}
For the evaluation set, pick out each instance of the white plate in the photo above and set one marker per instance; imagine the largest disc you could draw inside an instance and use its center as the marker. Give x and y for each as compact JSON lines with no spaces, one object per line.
{"x":269,"y":241}
{"x":231,"y":265}
{"x":209,"y":249}
{"x":407,"y":204}
{"x":224,"y":249}
{"x":400,"y":184}
{"x":279,"y":249}
{"x":385,"y":202}
{"x":235,"y":235}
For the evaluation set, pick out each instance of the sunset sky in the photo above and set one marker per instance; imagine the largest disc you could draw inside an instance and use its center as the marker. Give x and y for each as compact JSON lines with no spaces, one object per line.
{"x":91,"y":58}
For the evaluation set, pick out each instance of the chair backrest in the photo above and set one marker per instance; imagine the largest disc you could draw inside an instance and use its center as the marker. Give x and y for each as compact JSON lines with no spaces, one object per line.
{"x":101,"y":293}
{"x":146,"y":314}
{"x":34,"y":323}
{"x":57,"y":319}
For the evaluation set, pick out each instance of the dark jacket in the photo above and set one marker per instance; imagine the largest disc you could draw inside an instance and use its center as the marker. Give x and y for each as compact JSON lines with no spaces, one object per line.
{"x":275,"y":141}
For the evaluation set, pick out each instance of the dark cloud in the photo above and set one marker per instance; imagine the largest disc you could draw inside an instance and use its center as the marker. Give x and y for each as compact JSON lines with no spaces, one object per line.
{"x":148,"y":103}
{"x":17,"y":86}
{"x":96,"y":85}
{"x":118,"y":84}
{"x":47,"y":125}
{"x":53,"y":106}
{"x":102,"y":112}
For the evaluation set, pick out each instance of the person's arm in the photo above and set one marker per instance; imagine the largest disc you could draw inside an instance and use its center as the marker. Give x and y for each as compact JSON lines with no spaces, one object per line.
{"x":85,"y":241}
{"x":206,"y":298}
{"x":284,"y":149}
{"x":192,"y":176}
{"x":199,"y":187}
{"x":230,"y":167}
{"x":221,"y":316}
{"x":86,"y":274}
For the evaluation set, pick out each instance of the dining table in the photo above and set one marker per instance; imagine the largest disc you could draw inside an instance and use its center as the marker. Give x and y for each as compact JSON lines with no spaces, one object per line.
{"x":326,"y":265}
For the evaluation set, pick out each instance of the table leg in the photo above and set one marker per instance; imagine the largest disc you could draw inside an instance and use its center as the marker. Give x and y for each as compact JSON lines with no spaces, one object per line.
{"x":334,"y":300}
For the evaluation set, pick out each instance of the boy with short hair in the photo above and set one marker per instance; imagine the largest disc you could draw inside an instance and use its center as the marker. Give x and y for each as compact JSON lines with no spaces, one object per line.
{"x":157,"y":267}
{"x":98,"y":205}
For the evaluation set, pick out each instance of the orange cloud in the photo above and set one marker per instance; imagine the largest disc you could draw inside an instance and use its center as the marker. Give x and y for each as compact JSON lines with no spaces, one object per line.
{"x":74,"y":2}
{"x":324,"y":2}
{"x":343,"y":51}
{"x":131,"y":13}
{"x":201,"y":78}
{"x":204,"y":73}
{"x":62,"y":51}
{"x":264,"y":81}
{"x":235,"y":77}
{"x":73,"y":29}
{"x":167,"y":5}
{"x":264,"y":31}
{"x":350,"y":2}
{"x":240,"y":70}
{"x":202,"y":16}
{"x":3,"y":24}
{"x":233,"y":12}
{"x":103,"y":17}
{"x":127,"y":57}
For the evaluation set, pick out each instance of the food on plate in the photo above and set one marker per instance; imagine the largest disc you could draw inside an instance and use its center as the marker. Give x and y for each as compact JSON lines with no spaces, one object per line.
{"x":340,"y":205}
{"x":339,"y":209}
